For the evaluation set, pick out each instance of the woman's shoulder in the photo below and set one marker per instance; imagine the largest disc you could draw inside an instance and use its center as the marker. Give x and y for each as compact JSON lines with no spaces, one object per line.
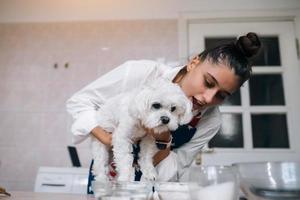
{"x":212,"y":111}
{"x":211,"y":116}
{"x":209,"y":124}
{"x":148,"y":69}
{"x":144,"y":64}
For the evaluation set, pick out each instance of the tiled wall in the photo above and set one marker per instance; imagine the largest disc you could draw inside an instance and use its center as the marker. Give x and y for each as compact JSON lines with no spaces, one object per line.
{"x":34,"y":126}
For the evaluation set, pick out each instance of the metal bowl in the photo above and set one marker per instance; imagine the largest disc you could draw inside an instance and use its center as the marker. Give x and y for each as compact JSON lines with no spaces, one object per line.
{"x":270,"y":180}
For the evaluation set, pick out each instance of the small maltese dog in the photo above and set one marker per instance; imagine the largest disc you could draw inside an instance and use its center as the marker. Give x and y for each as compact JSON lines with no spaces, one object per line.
{"x":159,"y":105}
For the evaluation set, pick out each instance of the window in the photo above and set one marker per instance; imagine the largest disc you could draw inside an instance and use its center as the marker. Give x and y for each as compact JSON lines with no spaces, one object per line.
{"x":260,"y":94}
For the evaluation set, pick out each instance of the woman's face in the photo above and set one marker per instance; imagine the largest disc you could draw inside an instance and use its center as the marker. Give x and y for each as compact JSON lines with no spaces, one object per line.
{"x":208,"y":84}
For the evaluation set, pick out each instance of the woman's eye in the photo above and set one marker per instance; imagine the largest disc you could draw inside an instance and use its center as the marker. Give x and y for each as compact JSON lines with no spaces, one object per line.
{"x":156,"y":105}
{"x":173,"y":108}
{"x":221,"y":96}
{"x":208,"y":84}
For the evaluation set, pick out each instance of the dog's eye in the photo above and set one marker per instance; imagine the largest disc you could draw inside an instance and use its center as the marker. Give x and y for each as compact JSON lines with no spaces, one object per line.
{"x":173,"y":108}
{"x":156,"y":105}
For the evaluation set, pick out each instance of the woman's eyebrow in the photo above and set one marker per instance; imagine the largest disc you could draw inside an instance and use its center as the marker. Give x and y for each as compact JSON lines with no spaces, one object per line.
{"x":216,"y":82}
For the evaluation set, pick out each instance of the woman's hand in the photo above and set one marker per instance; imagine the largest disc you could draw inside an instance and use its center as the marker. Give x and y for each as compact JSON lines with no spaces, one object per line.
{"x":163,"y":137}
{"x":106,"y":138}
{"x":103,"y":136}
{"x":162,"y":154}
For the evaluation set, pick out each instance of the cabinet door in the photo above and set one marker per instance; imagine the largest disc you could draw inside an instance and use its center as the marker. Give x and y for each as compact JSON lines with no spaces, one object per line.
{"x":51,"y":182}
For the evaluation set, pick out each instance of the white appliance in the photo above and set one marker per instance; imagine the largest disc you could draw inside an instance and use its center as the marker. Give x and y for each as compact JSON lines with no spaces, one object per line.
{"x":62,"y":180}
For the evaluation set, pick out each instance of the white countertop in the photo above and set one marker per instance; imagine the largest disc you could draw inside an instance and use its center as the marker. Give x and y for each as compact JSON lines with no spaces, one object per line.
{"x":20,"y":195}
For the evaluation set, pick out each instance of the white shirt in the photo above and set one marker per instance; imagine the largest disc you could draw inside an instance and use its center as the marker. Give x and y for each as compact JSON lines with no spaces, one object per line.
{"x":84,"y":104}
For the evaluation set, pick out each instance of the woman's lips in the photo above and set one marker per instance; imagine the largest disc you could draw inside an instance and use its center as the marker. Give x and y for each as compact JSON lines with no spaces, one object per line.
{"x":197,"y":103}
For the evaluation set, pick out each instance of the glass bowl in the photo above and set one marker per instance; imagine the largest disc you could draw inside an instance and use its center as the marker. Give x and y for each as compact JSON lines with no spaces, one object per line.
{"x":270,"y":180}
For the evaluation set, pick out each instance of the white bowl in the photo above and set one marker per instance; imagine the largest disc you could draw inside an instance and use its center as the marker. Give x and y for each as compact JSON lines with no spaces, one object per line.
{"x":213,"y":183}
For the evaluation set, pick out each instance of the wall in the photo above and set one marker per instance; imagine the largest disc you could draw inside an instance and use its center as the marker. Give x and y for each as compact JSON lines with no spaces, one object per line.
{"x":93,"y":37}
{"x":74,"y":10}
{"x":34,"y":124}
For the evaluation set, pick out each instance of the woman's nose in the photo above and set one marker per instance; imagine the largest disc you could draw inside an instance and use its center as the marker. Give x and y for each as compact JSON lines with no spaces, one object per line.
{"x":209,"y":96}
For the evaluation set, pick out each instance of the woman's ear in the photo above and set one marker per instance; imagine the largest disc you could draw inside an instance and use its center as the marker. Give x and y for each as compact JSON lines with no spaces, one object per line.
{"x":193,"y":63}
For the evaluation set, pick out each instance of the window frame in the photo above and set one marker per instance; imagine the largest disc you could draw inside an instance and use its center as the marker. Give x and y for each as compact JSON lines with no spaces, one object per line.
{"x":245,"y":109}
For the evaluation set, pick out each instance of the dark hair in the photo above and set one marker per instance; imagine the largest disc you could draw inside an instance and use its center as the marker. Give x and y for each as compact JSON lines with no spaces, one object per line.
{"x":238,"y":55}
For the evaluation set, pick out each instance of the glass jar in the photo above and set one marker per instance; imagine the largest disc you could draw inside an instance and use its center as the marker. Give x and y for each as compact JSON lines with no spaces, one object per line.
{"x":112,"y":190}
{"x":213,"y":183}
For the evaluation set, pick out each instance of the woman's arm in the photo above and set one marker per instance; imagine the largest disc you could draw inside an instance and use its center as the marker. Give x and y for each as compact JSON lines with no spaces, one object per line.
{"x":103,"y":136}
{"x":84,"y":104}
{"x":163,"y":137}
{"x":160,"y":155}
{"x":106,"y":138}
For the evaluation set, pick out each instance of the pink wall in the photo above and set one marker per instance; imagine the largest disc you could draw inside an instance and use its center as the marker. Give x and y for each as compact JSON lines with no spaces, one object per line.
{"x":33,"y":122}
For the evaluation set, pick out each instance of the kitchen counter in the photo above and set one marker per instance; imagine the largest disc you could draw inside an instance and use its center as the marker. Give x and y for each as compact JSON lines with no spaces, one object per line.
{"x":19,"y":195}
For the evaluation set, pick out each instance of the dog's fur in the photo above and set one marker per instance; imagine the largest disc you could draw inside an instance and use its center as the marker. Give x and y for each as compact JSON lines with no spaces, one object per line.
{"x":126,"y":114}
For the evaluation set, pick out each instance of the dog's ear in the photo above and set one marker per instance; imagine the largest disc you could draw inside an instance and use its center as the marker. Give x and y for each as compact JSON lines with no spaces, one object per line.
{"x":151,"y":78}
{"x":140,"y":103}
{"x":187,"y":115}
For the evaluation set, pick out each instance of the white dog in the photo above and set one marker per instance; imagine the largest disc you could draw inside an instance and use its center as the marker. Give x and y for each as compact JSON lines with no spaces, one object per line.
{"x":159,"y":105}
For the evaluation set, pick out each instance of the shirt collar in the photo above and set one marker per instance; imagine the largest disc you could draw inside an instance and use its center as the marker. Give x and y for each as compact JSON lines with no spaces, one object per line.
{"x":170,"y":74}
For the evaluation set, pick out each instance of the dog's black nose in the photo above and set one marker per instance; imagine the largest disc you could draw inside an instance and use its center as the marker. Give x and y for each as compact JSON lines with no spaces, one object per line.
{"x":165,"y":119}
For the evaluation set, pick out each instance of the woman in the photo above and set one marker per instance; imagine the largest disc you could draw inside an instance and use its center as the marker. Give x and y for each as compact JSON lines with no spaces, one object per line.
{"x":207,"y":80}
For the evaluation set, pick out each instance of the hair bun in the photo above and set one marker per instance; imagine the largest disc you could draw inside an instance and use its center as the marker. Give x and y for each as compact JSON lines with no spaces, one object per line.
{"x":249,"y":44}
